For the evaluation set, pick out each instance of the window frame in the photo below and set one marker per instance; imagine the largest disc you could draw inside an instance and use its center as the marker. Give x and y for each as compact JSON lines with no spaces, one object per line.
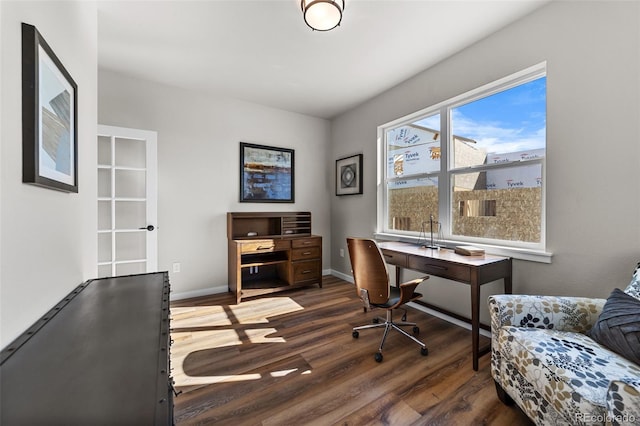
{"x":535,"y":251}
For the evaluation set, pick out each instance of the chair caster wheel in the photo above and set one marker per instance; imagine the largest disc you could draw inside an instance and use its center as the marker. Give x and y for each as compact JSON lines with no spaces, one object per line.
{"x":355,"y":334}
{"x":376,"y":320}
{"x":378,"y":357}
{"x":416,"y":330}
{"x":424,"y":351}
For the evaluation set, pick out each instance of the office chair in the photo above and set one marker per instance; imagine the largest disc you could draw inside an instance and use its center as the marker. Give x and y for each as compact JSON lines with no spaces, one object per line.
{"x":372,"y":284}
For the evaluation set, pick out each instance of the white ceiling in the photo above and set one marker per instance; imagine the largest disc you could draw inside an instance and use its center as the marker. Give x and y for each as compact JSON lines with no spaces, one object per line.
{"x":262,"y":51}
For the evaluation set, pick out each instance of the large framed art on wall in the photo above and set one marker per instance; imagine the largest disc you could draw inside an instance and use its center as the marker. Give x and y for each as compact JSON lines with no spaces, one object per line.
{"x":266,"y":174}
{"x":49,"y":116}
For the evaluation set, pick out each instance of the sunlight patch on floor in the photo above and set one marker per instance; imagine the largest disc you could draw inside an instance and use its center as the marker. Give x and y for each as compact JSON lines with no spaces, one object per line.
{"x":283,"y":373}
{"x":198,"y":316}
{"x":193,"y":341}
{"x":184,"y":380}
{"x":226,"y":335}
{"x":259,"y":335}
{"x":258,"y":311}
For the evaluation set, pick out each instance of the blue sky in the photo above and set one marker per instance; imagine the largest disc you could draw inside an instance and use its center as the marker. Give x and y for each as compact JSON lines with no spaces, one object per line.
{"x":509,"y":121}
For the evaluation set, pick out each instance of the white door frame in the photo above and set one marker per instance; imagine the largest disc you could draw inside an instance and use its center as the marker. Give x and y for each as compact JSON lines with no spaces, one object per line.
{"x":151,"y":169}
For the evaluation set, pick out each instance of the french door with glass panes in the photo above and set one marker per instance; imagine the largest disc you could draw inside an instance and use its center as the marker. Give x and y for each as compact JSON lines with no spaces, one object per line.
{"x":127,"y":201}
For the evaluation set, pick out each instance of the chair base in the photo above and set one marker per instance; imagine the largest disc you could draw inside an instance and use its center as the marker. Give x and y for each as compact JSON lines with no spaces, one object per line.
{"x":388,"y":325}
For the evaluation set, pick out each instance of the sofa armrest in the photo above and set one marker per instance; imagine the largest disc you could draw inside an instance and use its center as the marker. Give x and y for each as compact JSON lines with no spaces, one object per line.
{"x":623,"y":402}
{"x":576,"y":314}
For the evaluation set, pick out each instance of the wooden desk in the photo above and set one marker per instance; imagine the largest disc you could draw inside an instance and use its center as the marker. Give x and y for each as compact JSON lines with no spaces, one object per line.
{"x":472,"y":270}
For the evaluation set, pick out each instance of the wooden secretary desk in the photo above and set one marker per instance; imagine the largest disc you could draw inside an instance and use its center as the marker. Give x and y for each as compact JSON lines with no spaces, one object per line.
{"x":271,"y":252}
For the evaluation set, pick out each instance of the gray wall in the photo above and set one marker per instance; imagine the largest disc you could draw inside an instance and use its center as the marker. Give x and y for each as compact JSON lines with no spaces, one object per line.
{"x":198,"y":169}
{"x":47,"y":238}
{"x":592,"y":51}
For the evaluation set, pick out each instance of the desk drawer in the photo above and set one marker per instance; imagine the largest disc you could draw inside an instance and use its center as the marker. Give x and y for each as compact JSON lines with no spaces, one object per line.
{"x":305,"y":253}
{"x":257,"y":246}
{"x":306,"y":242}
{"x":306,"y":270}
{"x":439,"y":268}
{"x":264,"y":246}
{"x":282,"y":244}
{"x":395,"y":258}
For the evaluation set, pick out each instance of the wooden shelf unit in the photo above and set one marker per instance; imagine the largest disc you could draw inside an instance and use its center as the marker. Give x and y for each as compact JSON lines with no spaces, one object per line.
{"x":271,"y":252}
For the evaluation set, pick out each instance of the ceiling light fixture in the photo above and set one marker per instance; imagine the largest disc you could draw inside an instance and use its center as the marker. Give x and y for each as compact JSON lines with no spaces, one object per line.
{"x":322,"y":15}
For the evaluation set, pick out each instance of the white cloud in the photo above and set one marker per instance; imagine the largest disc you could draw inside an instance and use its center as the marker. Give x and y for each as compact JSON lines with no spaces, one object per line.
{"x":497,"y":138}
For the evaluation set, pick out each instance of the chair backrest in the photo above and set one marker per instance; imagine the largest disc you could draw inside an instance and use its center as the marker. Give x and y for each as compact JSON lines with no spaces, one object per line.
{"x":369,"y":269}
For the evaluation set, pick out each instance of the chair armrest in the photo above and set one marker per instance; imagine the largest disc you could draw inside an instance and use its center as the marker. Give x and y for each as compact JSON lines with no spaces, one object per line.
{"x":623,"y":401}
{"x":407,"y":291}
{"x":576,"y":314}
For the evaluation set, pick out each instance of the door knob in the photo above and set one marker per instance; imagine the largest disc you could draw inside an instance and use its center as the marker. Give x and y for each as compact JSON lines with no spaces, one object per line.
{"x":148,"y":228}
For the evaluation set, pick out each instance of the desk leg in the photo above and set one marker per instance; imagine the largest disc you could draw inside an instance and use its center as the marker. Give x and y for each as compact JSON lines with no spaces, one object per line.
{"x":475,"y":319}
{"x":398,"y":276}
{"x":507,"y":279}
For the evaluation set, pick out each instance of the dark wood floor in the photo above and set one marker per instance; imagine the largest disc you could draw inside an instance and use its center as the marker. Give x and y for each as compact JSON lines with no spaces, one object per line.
{"x":290,"y":359}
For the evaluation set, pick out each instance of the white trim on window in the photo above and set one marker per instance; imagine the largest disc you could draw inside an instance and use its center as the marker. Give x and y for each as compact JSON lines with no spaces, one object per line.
{"x":534,"y":251}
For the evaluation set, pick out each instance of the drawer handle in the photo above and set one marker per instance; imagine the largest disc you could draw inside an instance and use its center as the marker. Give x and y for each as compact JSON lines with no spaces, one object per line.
{"x":442,"y":268}
{"x":306,"y":253}
{"x":306,"y":243}
{"x":308,"y":271}
{"x":263,"y":247}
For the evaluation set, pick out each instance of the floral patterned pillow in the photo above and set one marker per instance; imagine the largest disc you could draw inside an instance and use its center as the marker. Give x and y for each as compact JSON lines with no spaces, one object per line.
{"x":633,"y":289}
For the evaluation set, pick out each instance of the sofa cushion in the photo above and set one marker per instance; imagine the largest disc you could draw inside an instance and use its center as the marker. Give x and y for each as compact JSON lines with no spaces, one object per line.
{"x":567,"y":370}
{"x":618,"y":326}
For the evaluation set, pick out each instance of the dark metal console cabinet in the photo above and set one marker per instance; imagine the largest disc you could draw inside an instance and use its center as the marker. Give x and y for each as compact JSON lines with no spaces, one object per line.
{"x":100,"y":356}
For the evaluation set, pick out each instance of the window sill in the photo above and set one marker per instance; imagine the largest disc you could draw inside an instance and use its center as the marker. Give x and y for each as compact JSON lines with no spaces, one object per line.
{"x":514,"y":252}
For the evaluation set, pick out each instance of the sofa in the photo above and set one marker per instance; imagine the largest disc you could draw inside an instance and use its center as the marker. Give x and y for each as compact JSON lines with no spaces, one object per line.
{"x":548,"y":355}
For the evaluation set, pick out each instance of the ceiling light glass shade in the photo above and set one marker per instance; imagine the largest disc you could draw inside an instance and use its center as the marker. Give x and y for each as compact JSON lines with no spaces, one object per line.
{"x":322,"y":15}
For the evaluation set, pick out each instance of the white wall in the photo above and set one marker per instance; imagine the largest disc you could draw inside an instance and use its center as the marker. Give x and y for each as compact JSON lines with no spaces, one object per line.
{"x":47,"y":238}
{"x":198,"y":169}
{"x":592,"y":51}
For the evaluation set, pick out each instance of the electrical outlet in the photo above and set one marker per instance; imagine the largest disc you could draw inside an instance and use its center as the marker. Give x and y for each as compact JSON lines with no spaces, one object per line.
{"x":176,"y":267}
{"x":341,"y":252}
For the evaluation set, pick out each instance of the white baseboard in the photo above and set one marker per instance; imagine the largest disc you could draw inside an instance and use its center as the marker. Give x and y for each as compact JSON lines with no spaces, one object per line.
{"x":447,"y":318}
{"x":216,"y":290}
{"x":342,"y":276}
{"x":198,"y":293}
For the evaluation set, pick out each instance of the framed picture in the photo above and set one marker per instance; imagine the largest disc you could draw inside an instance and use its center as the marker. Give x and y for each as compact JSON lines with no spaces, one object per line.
{"x":349,"y":175}
{"x":266,"y":174}
{"x":49,"y":117}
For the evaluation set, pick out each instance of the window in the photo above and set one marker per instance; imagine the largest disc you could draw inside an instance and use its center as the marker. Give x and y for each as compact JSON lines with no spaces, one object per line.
{"x":473,"y":165}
